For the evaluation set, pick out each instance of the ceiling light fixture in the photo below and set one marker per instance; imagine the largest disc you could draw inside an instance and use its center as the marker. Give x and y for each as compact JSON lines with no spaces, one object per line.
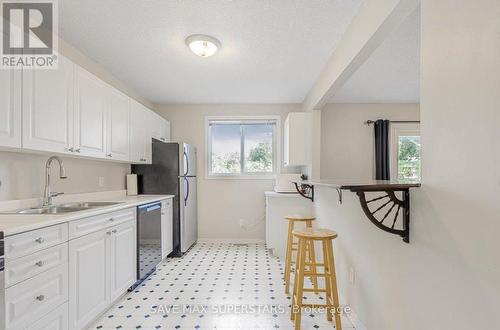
{"x":203,"y":45}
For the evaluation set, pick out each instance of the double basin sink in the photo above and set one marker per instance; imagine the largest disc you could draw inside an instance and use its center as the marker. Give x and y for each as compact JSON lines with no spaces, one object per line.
{"x":64,"y":208}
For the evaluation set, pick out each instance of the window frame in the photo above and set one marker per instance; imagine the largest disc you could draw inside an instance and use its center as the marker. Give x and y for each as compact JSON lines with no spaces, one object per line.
{"x":277,"y":137}
{"x":397,"y":130}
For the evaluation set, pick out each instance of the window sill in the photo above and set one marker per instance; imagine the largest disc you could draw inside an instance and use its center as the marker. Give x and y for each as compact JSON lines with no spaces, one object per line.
{"x":241,"y":177}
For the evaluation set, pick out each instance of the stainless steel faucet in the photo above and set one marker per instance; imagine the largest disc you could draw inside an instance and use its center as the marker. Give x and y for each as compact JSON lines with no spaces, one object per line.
{"x":47,"y":195}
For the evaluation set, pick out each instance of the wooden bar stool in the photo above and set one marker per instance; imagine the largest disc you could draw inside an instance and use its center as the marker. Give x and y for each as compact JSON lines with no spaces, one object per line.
{"x":305,"y":238}
{"x":291,"y":247}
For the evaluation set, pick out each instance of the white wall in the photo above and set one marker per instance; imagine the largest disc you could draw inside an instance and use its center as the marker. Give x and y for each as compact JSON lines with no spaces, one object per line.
{"x":448,"y":276}
{"x":222,"y":203}
{"x":23,"y":175}
{"x":347,"y":144}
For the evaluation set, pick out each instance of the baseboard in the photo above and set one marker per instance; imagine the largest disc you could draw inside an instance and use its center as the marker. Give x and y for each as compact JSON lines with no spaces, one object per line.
{"x":232,"y":240}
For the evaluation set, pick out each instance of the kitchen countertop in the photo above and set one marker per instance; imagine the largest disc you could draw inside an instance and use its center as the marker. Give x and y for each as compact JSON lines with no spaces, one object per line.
{"x":11,"y":224}
{"x":282,"y":195}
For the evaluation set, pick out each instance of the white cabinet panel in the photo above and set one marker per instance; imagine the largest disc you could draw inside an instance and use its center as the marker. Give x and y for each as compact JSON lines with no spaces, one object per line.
{"x":166,"y":228}
{"x":90,"y":114}
{"x":102,"y":266}
{"x":10,"y":108}
{"x":118,"y":126}
{"x":21,"y":269}
{"x":297,"y":139}
{"x":47,"y":104}
{"x":161,"y":128}
{"x":140,"y":133}
{"x":30,"y":300}
{"x":123,"y":258}
{"x":279,"y":205}
{"x":55,"y":320}
{"x":32,"y":241}
{"x":167,"y":130}
{"x":89,"y":268}
{"x":99,"y":222}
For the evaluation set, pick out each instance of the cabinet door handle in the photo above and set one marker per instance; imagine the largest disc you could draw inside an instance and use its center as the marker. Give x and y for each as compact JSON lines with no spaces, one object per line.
{"x":39,"y":240}
{"x":108,"y":233}
{"x":114,"y":231}
{"x":39,"y":263}
{"x":109,"y":155}
{"x":40,"y":297}
{"x":69,"y":149}
{"x":77,"y":150}
{"x":111,"y":219}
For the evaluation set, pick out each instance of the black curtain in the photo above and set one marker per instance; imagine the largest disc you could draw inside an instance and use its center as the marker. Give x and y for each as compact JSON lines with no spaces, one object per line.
{"x":382,"y":167}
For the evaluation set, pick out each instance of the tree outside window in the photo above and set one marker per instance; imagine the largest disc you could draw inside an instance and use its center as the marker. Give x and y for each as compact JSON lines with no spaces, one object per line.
{"x":243,"y":147}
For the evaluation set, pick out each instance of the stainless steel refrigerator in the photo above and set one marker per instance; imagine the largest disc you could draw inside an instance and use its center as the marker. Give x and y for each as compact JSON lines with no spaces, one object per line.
{"x":173,"y":172}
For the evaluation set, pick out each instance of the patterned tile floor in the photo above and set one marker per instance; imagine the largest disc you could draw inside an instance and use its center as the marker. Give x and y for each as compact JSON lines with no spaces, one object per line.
{"x":213,"y":286}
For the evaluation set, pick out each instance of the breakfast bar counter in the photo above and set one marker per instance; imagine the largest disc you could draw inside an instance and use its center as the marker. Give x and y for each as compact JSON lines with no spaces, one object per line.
{"x":386,"y":203}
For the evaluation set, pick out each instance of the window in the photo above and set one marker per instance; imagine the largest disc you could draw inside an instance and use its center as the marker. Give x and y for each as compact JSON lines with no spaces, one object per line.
{"x":241,"y":146}
{"x":405,"y":152}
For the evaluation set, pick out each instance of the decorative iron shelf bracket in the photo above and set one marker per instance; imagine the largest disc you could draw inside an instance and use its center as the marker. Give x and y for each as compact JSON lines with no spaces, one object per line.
{"x":305,"y":190}
{"x":385,"y":211}
{"x":390,"y":214}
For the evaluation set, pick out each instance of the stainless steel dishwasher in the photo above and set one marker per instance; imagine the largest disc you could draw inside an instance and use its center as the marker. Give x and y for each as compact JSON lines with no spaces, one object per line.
{"x":148,"y":240}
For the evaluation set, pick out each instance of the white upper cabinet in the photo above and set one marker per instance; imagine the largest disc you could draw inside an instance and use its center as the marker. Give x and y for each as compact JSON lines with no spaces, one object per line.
{"x":167,"y":130}
{"x":140,"y":133}
{"x":47,"y":107}
{"x":91,"y":106}
{"x":118,"y":126}
{"x":297,"y":139}
{"x":10,"y":108}
{"x":70,"y":111}
{"x":161,"y":128}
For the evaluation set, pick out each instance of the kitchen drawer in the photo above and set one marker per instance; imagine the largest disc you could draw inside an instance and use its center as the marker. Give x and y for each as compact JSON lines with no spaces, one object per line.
{"x":89,"y":225}
{"x":55,"y":320}
{"x":30,"y":242}
{"x":32,"y":299}
{"x":20,"y":269}
{"x":166,"y":203}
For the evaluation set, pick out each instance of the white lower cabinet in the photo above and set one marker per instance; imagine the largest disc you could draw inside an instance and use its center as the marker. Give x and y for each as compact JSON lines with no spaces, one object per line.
{"x":123,"y":258}
{"x":55,"y":320}
{"x":102,"y":266}
{"x":89,"y":268}
{"x":20,"y":269}
{"x":54,"y":284}
{"x":167,"y":245}
{"x":32,"y":299}
{"x":278,"y":206}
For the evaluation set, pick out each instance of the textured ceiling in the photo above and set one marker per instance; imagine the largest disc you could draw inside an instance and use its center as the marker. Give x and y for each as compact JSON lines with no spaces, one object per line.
{"x":392,"y":73}
{"x":272,"y":50}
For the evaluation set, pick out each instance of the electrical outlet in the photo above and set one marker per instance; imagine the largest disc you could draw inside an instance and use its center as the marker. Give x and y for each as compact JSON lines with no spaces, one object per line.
{"x":352,"y":276}
{"x":101,"y":181}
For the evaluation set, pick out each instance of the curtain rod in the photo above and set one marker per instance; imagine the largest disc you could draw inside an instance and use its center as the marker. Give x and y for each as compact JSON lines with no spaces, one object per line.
{"x":369,"y":122}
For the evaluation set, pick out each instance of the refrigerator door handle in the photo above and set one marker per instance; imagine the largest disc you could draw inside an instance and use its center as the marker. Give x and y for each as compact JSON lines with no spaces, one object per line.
{"x":187,"y":191}
{"x":186,"y":163}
